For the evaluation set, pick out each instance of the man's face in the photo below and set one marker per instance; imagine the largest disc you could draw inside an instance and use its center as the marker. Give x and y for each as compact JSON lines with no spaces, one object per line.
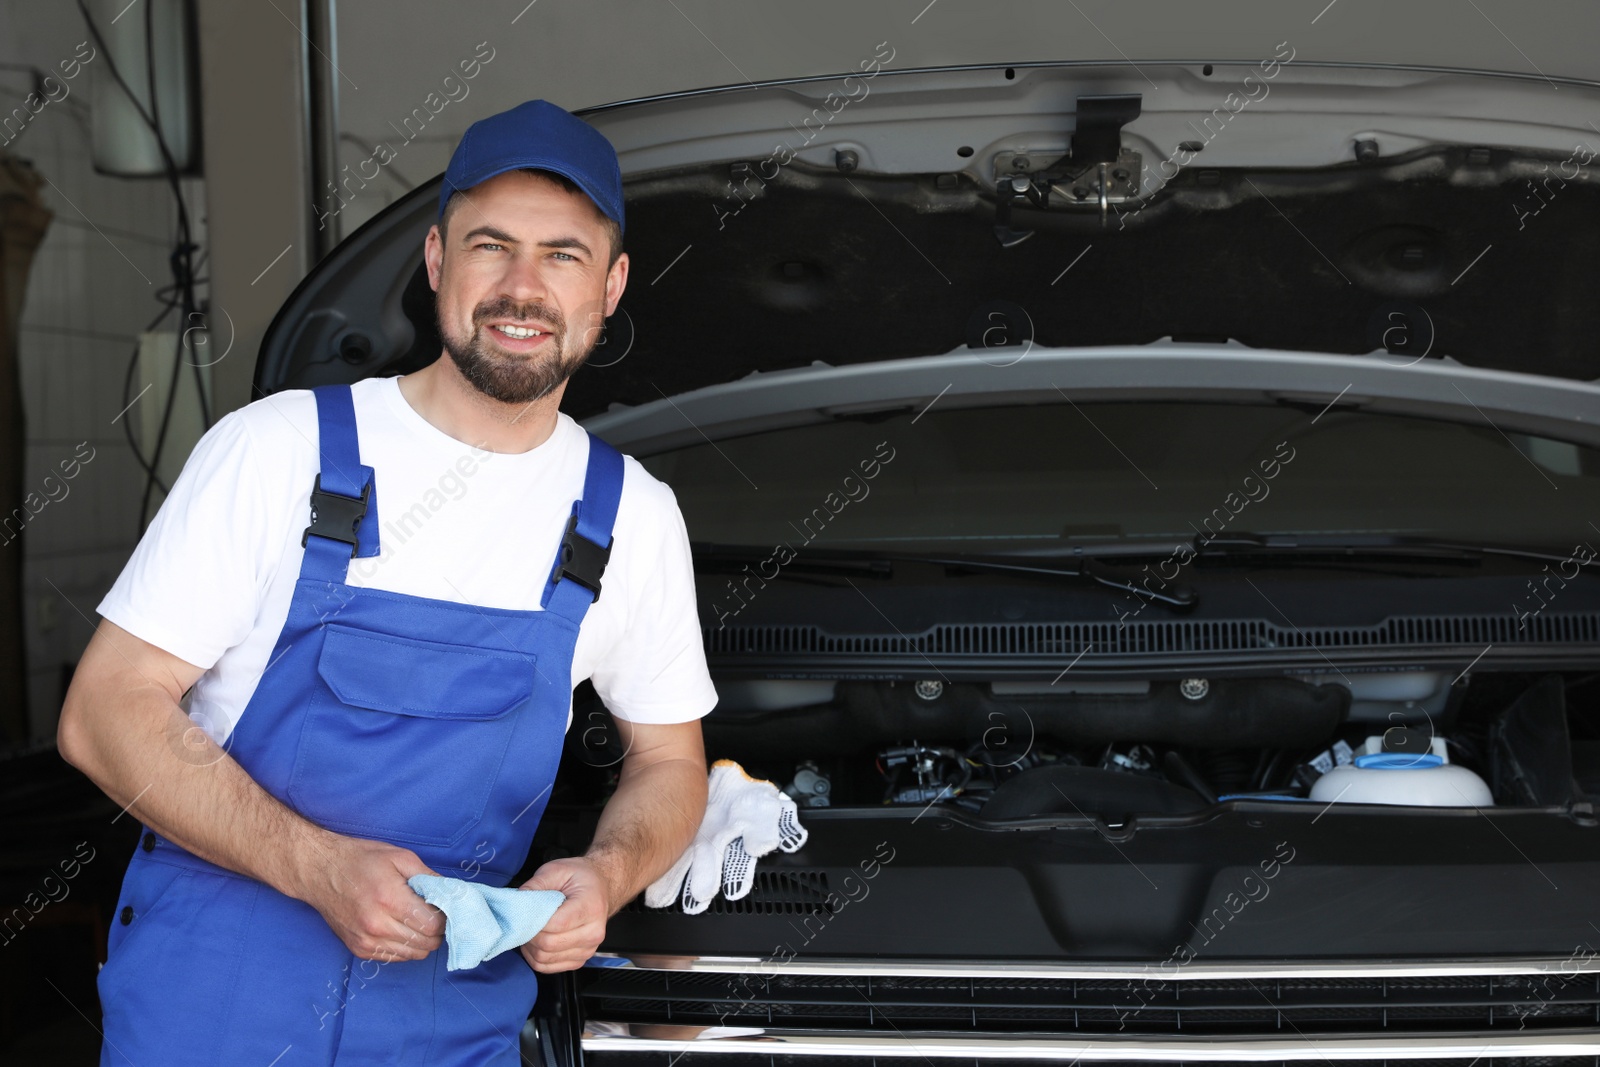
{"x":522,"y":284}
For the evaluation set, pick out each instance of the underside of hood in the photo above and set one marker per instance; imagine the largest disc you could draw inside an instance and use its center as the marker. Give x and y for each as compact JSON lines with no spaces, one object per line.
{"x":843,"y":270}
{"x":1485,"y":252}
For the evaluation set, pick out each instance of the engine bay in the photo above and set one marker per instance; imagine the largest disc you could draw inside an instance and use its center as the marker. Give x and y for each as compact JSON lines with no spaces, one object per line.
{"x":1005,"y":751}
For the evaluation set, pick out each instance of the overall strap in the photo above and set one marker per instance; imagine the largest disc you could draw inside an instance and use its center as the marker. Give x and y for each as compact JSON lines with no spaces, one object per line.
{"x":586,"y":547}
{"x":344,"y":503}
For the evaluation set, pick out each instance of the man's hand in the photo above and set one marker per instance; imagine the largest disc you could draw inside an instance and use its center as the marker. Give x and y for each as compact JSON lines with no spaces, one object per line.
{"x":645,"y":826}
{"x":578,"y":926}
{"x":359,"y":888}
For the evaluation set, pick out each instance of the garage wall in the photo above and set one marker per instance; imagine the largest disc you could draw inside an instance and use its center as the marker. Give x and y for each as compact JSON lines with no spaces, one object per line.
{"x":91,"y":291}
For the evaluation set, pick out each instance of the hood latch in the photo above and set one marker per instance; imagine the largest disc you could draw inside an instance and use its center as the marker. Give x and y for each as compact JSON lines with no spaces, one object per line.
{"x":1095,"y":171}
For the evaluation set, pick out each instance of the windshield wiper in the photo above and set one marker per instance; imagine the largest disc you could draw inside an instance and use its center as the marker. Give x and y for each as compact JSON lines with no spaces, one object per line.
{"x":1368,"y":547}
{"x":1125,"y":579}
{"x":880,"y":564}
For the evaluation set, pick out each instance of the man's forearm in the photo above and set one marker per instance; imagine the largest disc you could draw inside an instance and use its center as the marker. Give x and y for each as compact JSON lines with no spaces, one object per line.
{"x":147,"y":754}
{"x":647,"y":824}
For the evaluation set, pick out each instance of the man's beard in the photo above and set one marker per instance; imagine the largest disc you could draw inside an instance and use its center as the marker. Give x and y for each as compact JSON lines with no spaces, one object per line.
{"x":512,"y":379}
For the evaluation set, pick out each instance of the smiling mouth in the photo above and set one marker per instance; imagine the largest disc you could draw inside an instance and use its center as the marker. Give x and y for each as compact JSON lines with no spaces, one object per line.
{"x":520,"y":333}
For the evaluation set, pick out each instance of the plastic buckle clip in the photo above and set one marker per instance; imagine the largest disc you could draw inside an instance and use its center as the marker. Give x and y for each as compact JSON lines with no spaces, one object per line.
{"x":335,"y":515}
{"x":581,"y":559}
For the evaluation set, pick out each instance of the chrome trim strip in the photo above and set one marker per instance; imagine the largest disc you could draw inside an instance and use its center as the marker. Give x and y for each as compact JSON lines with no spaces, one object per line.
{"x":620,"y":1037}
{"x":1193,"y":971}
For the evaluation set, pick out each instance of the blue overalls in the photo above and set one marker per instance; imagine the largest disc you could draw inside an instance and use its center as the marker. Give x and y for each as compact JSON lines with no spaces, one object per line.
{"x":432,"y":725}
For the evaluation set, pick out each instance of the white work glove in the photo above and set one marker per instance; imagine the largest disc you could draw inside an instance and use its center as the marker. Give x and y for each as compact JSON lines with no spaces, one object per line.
{"x":746,"y":818}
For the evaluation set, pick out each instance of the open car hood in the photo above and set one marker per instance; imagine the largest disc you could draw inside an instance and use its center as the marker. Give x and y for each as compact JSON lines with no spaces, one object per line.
{"x":856,"y":219}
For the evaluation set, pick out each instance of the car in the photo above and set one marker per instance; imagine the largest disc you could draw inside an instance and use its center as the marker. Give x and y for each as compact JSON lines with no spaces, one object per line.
{"x":1145,"y":517}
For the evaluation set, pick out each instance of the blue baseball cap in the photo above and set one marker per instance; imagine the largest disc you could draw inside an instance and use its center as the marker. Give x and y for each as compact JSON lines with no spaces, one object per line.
{"x":537,"y":134}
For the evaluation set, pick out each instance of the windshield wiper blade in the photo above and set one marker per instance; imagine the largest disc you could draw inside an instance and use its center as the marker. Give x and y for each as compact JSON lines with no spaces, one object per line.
{"x":1359,"y":546}
{"x":1126,"y":580}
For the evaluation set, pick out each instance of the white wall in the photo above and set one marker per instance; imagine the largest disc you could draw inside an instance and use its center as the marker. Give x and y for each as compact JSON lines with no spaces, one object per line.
{"x":92,"y":289}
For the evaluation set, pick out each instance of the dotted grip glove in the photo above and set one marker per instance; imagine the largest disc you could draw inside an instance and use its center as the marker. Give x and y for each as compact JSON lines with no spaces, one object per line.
{"x":745,"y":819}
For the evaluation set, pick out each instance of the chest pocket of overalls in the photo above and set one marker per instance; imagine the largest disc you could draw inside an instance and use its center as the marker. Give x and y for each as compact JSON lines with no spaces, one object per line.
{"x":404,"y":738}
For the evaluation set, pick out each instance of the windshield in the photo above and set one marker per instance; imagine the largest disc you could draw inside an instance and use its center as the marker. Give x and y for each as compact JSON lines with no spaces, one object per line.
{"x":1044,"y":477}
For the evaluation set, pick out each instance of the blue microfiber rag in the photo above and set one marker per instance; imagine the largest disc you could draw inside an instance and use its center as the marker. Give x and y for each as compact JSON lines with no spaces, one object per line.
{"x":483,"y":921}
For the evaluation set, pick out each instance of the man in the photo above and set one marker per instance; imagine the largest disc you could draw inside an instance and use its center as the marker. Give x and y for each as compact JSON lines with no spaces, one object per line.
{"x":384,"y":692}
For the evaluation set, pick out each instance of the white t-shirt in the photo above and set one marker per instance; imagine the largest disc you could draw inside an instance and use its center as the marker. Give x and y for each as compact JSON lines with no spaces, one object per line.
{"x":212,"y":578}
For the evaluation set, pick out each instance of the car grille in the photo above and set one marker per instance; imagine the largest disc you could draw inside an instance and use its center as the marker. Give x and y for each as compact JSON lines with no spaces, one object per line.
{"x":782,"y":892}
{"x":691,"y":1059}
{"x":1233,"y":1006}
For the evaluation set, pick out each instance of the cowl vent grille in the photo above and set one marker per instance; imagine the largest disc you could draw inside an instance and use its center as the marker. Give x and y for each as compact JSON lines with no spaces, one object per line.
{"x":1111,"y":639}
